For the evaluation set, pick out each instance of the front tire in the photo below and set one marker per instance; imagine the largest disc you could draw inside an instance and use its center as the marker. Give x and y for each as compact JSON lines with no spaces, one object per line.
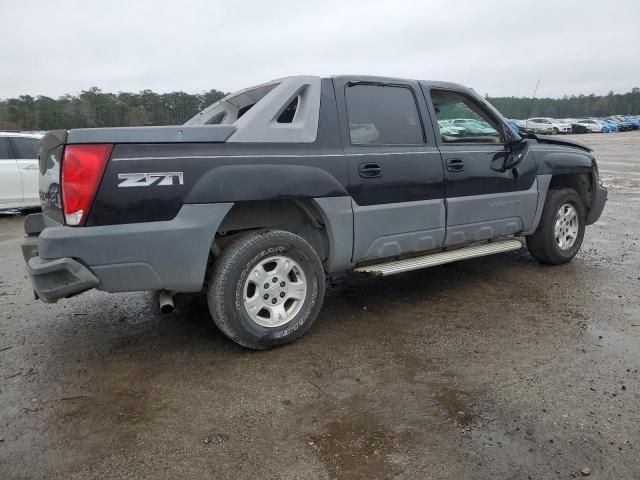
{"x":561,"y":229}
{"x":266,"y":289}
{"x":556,"y":131}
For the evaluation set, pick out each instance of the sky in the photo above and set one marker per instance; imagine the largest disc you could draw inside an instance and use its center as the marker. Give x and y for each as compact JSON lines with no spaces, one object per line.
{"x":497,"y":47}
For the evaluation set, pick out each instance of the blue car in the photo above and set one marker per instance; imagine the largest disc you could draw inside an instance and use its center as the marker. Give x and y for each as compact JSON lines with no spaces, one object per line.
{"x":608,"y":127}
{"x":632,"y":120}
{"x":514,"y":126}
{"x":614,"y":127}
{"x":623,"y":125}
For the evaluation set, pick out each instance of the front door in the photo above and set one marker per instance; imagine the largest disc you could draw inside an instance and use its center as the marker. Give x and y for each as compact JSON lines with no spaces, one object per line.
{"x":483,"y":200}
{"x":395,"y":169}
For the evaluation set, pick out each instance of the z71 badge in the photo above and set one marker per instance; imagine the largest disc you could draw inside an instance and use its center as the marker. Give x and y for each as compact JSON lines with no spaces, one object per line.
{"x":149,"y":179}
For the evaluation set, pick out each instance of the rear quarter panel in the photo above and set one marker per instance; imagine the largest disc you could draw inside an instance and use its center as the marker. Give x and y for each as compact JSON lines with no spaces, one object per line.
{"x":213,"y":173}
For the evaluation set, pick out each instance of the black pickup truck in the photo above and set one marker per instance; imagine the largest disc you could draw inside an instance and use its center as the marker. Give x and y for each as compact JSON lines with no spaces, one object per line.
{"x":262,"y":194}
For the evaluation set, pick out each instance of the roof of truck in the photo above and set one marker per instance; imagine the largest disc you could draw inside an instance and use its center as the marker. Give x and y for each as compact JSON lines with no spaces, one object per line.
{"x":384,"y":79}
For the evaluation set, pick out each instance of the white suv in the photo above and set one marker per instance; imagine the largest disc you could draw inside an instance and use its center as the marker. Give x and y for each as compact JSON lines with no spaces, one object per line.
{"x":556,"y":125}
{"x":18,"y":170}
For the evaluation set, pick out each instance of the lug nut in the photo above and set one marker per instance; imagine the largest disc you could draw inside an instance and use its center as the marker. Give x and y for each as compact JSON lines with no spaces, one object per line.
{"x":282,"y":284}
{"x":281,"y":294}
{"x":266,"y":285}
{"x":274,"y":301}
{"x":266,"y":295}
{"x":275,"y":279}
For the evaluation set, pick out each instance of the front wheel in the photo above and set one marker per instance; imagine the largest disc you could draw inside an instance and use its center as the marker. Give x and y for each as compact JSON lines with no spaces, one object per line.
{"x":266,"y":289}
{"x":561,"y":229}
{"x":555,"y":131}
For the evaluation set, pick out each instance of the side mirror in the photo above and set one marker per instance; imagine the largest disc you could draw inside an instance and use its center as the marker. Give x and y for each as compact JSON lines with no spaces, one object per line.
{"x":516,"y":151}
{"x":513,"y":160}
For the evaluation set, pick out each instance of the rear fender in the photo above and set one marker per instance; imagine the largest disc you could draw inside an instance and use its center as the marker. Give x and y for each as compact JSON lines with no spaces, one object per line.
{"x":236,"y":183}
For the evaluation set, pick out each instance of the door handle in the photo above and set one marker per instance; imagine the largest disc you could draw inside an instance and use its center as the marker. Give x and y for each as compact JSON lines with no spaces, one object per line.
{"x":455,"y":165}
{"x":30,"y":167}
{"x":370,"y":170}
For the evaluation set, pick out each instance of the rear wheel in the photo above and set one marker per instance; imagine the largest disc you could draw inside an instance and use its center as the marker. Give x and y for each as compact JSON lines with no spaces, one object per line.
{"x":266,"y":289}
{"x":561,"y":229}
{"x":556,"y":131}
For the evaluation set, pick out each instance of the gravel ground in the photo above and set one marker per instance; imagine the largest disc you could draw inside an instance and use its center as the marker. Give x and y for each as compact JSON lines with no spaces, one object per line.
{"x":490,"y":368}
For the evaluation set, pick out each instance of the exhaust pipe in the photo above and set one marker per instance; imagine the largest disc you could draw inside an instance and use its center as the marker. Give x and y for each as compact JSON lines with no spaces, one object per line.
{"x":166,"y":301}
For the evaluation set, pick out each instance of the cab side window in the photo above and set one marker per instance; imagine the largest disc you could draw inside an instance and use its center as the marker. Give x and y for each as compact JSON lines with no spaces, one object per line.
{"x":383,"y":115}
{"x":4,"y":148}
{"x":25,"y":147}
{"x":463,"y":120}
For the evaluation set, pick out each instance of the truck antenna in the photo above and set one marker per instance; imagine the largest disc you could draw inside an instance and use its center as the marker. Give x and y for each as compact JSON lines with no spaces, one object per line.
{"x":532,"y":99}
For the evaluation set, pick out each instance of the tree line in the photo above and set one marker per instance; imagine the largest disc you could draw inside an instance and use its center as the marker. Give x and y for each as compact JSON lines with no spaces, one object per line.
{"x":95,"y":108}
{"x":574,"y":106}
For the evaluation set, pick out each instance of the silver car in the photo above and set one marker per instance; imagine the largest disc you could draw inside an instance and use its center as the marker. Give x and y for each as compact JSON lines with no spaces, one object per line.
{"x":531,"y":126}
{"x":557,"y":126}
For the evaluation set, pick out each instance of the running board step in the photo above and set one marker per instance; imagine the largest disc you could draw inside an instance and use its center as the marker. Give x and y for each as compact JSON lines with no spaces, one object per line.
{"x":416,"y":263}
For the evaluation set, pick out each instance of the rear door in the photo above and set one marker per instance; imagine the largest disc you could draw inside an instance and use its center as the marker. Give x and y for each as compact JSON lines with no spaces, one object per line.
{"x":10,"y":180}
{"x":24,"y":149}
{"x":395,"y":169}
{"x":483,"y":200}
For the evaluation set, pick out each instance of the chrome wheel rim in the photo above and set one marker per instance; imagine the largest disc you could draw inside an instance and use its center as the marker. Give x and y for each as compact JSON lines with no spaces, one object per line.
{"x":567,"y":226}
{"x":274,"y":291}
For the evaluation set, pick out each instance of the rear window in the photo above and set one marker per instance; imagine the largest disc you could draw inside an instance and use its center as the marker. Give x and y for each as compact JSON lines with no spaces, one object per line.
{"x":232,"y":107}
{"x":4,"y":148}
{"x":25,"y":147}
{"x":289,"y":113}
{"x":383,"y":115}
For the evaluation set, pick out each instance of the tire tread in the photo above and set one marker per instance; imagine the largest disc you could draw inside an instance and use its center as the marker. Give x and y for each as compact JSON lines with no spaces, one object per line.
{"x":222,"y":271}
{"x":540,"y":243}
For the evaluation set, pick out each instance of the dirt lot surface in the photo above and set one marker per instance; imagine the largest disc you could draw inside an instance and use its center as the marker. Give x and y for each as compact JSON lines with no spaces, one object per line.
{"x":494,"y":368}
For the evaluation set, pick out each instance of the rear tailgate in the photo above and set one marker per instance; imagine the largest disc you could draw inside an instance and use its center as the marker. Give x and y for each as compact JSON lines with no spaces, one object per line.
{"x":49,"y":156}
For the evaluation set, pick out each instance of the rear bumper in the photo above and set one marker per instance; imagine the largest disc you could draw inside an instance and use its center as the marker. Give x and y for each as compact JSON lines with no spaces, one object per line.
{"x":59,"y":278}
{"x":64,"y":261}
{"x":597,"y":204}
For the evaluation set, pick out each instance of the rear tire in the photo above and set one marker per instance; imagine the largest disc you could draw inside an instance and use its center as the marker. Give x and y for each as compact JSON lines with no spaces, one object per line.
{"x":561,"y":229}
{"x":266,"y":289}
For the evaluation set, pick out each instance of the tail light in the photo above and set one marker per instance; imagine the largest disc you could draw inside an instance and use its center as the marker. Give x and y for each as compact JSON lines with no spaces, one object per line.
{"x":82,"y":169}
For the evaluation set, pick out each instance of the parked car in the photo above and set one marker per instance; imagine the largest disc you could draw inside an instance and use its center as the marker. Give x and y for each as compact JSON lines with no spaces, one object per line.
{"x":611,"y":127}
{"x":446,"y":128}
{"x":556,"y":125}
{"x":635,"y":123}
{"x":18,"y":171}
{"x":623,"y":126}
{"x":257,"y":209}
{"x":520,"y":124}
{"x":531,"y":126}
{"x":593,"y":125}
{"x":514,"y":126}
{"x":576,"y":126}
{"x":473,"y":126}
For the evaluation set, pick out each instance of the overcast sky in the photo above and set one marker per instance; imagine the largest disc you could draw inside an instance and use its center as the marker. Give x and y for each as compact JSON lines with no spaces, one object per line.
{"x":498,"y":47}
